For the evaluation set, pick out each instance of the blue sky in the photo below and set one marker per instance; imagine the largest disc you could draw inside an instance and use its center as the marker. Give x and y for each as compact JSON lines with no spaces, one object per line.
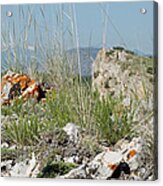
{"x":124,"y":23}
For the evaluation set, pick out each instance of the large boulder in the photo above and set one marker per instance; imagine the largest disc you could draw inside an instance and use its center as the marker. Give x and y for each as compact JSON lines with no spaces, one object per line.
{"x":117,"y":70}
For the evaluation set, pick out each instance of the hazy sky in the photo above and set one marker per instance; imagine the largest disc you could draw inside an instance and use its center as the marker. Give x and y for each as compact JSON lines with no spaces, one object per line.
{"x":121,"y":21}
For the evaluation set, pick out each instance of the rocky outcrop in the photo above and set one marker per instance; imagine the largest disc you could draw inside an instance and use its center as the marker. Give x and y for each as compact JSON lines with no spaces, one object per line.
{"x":124,"y":162}
{"x":68,"y":156}
{"x":118,"y":71}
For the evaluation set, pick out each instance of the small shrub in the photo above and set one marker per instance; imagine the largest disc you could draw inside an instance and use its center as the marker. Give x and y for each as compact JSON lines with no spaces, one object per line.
{"x":53,"y":169}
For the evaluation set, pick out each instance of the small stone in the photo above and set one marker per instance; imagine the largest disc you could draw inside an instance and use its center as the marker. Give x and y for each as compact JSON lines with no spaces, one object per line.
{"x":72,"y":131}
{"x":142,"y":170}
{"x":6,"y":165}
{"x":4,"y":145}
{"x":78,"y":173}
{"x":13,"y":147}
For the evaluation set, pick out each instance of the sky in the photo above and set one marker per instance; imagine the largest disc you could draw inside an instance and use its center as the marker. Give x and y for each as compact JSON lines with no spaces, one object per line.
{"x":94,"y":24}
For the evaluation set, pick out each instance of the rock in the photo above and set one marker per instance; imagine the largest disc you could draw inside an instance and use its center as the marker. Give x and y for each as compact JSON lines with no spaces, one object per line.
{"x":6,"y":165}
{"x":122,"y":56}
{"x":77,"y":173}
{"x":72,"y":159}
{"x":115,"y":164}
{"x":21,"y":86}
{"x":4,"y":145}
{"x":122,"y":74}
{"x":35,"y":171}
{"x":134,"y":154}
{"x":72,"y":131}
{"x":24,"y":168}
{"x":113,"y":73}
{"x":104,"y":164}
{"x":121,"y":144}
{"x":13,"y":147}
{"x":58,"y":157}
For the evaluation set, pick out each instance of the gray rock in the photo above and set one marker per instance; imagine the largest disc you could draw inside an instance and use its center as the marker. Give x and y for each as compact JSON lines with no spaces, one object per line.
{"x":24,"y":168}
{"x":78,"y":173}
{"x":106,"y":163}
{"x":72,"y":131}
{"x":13,"y":147}
{"x":4,"y":145}
{"x":6,"y":165}
{"x":102,"y":164}
{"x":72,"y":159}
{"x":113,"y":72}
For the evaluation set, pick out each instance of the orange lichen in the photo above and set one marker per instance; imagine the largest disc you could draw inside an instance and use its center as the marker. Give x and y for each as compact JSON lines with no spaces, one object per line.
{"x":28,"y":86}
{"x":131,"y":154}
{"x":112,"y":166}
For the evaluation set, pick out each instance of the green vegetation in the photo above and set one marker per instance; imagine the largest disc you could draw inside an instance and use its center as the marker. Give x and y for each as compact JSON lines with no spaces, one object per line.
{"x":24,"y":131}
{"x":113,"y":119}
{"x":53,"y":169}
{"x":8,"y":154}
{"x":108,"y":119}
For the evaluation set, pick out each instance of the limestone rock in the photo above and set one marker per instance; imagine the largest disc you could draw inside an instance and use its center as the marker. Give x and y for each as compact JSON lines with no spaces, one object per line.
{"x":72,"y":131}
{"x":104,"y":164}
{"x":23,"y":169}
{"x":77,"y":173}
{"x":6,"y":167}
{"x":117,"y":70}
{"x":111,"y":164}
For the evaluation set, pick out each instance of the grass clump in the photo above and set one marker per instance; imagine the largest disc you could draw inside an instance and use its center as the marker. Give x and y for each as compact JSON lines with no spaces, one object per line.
{"x":112,"y":119}
{"x":24,"y":131}
{"x":108,"y":119}
{"x":8,"y":154}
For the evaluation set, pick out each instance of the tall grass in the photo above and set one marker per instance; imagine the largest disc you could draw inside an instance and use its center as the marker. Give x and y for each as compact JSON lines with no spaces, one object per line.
{"x":108,"y":119}
{"x":73,"y":99}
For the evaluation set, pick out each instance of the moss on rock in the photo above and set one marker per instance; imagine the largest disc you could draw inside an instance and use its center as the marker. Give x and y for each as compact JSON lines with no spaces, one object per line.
{"x":53,"y":169}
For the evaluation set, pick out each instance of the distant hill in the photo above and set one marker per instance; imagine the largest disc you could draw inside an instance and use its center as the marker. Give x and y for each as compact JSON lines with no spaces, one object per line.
{"x":87,"y":56}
